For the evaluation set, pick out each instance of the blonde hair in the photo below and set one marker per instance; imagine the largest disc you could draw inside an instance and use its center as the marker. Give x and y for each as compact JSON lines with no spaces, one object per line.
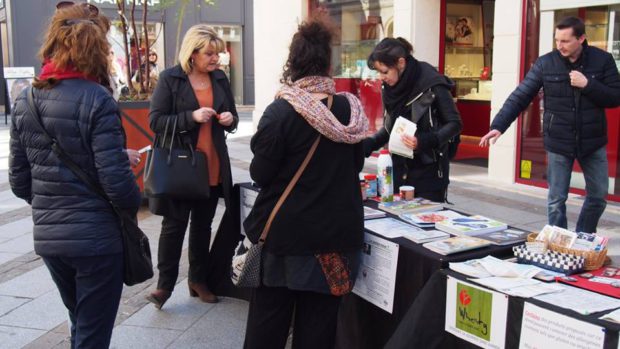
{"x":197,"y":37}
{"x":77,"y":38}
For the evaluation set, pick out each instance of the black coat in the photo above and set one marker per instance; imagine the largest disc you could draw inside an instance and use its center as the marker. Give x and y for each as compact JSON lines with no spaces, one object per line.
{"x":574,"y":122}
{"x":323,"y":212}
{"x":428,"y":171}
{"x":69,"y":219}
{"x":174,"y":96}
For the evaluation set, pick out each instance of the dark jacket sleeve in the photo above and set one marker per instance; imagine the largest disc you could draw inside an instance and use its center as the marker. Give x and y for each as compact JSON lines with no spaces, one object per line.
{"x":231,"y":107}
{"x":449,"y":119}
{"x":267,"y":147}
{"x":605,"y":92}
{"x":162,"y":104}
{"x":111,"y":162}
{"x":19,"y":167}
{"x":520,"y":98}
{"x":376,"y":141}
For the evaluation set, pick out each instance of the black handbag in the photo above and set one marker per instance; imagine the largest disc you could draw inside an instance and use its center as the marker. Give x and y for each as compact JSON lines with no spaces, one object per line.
{"x":176,"y":172}
{"x":138,"y":266}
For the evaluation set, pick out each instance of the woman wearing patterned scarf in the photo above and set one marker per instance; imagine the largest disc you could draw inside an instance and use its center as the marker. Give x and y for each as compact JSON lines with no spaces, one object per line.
{"x":311,"y":255}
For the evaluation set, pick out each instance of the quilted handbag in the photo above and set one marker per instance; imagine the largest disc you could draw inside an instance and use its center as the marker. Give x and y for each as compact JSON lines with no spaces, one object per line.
{"x":245,"y":268}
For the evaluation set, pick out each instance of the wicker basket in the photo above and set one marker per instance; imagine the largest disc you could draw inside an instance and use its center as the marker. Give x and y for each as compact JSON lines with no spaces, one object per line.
{"x":593,"y":259}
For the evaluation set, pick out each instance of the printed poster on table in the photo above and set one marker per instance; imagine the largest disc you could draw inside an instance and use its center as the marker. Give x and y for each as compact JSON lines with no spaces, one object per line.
{"x":475,"y":314}
{"x":376,"y":279}
{"x":545,"y":328}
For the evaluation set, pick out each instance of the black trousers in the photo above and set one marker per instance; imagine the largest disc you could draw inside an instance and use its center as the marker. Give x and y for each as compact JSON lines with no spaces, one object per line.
{"x":171,"y":242}
{"x":90,"y":288}
{"x":271,"y":311}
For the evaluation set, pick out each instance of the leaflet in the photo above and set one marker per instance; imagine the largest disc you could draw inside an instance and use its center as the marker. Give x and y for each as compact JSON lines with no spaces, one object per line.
{"x":579,"y":300}
{"x":401,"y":127}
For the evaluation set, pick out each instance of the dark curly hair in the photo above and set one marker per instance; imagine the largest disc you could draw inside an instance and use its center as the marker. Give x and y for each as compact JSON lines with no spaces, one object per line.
{"x":310,"y":52}
{"x":388,"y":51}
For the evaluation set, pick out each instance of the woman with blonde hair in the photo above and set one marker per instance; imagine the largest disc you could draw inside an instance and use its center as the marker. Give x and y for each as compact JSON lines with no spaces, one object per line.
{"x":76,"y":232}
{"x":197,"y":95}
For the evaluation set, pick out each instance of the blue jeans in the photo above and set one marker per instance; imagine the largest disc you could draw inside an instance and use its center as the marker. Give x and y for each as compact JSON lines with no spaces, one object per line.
{"x":559,"y":169}
{"x":90,"y":288}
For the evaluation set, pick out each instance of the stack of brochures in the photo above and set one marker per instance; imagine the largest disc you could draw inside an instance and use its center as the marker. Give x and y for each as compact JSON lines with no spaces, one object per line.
{"x":470,"y":226}
{"x":568,"y":239}
{"x":370,"y":213}
{"x":505,"y":237}
{"x":428,"y":219}
{"x":456,"y":244}
{"x":411,"y":206}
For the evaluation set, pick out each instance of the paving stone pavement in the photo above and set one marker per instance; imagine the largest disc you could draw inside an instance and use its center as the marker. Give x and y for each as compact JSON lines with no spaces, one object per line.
{"x":32,"y":315}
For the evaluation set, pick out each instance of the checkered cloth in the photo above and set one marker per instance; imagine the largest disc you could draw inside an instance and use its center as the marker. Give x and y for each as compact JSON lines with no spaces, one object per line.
{"x":551,"y":260}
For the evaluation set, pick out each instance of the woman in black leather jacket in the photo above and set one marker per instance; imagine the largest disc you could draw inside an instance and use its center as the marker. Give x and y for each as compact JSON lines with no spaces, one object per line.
{"x":438,"y":121}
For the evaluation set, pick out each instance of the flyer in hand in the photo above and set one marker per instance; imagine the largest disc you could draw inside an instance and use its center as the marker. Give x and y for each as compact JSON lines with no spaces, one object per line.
{"x":395,"y":145}
{"x":470,"y":226}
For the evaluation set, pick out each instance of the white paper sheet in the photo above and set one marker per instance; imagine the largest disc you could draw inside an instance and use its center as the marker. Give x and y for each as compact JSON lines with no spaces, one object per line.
{"x":542,"y":328}
{"x":376,"y":279}
{"x":579,"y":300}
{"x":475,"y":314}
{"x":389,"y":227}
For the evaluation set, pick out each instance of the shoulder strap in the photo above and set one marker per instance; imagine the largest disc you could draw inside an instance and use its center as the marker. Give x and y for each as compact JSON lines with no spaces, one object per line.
{"x":64,"y":158}
{"x":291,"y":184}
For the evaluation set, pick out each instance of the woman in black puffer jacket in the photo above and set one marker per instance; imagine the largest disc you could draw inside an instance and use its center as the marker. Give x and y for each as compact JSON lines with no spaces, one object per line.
{"x":75,"y":231}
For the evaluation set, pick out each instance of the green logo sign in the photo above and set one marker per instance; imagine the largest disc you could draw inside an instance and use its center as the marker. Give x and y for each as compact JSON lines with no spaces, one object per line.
{"x":473,"y":311}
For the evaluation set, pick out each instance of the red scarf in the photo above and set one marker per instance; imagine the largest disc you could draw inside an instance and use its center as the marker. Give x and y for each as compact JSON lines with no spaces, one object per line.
{"x":49,"y":71}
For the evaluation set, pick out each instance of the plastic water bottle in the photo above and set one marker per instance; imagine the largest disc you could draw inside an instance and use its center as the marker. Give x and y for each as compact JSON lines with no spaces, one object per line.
{"x":385,"y":176}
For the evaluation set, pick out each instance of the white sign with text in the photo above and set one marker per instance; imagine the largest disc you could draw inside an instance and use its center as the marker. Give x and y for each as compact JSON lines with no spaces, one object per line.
{"x":542,"y":328}
{"x":376,"y":278}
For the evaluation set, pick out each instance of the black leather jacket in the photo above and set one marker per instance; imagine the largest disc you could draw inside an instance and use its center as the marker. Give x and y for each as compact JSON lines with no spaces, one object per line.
{"x":574,"y":122}
{"x":429,"y":169}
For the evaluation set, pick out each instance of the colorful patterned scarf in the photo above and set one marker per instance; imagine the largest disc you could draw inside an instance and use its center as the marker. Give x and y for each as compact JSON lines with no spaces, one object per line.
{"x":298,"y":94}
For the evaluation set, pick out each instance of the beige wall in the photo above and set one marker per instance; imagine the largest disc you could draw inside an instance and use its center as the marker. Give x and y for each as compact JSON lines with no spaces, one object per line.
{"x":275,"y":22}
{"x":506,"y":66}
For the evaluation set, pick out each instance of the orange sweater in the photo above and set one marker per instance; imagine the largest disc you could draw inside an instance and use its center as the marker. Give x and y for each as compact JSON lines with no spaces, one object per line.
{"x":205,"y":139}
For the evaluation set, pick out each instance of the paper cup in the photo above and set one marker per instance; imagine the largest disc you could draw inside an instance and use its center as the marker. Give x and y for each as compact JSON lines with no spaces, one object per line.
{"x":406,"y":192}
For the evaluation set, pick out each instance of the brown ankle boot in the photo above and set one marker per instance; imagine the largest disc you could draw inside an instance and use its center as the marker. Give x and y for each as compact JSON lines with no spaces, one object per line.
{"x":201,"y":290}
{"x":158,"y":297}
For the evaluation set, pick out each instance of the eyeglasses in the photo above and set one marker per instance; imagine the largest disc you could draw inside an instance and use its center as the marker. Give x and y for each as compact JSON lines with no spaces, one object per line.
{"x":94,"y":11}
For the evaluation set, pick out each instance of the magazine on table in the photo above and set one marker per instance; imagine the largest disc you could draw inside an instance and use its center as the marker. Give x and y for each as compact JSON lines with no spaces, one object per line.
{"x":505,"y":237}
{"x":421,"y":236}
{"x":371,"y":213}
{"x":470,"y":226}
{"x":401,"y":127}
{"x":428,"y":219}
{"x":411,"y":206}
{"x":456,"y":244}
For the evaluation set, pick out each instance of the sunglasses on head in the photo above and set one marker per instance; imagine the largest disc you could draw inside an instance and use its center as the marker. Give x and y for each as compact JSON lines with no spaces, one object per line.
{"x":92,"y":8}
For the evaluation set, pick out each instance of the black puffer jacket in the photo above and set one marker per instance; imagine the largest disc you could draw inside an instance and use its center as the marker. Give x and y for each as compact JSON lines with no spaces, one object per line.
{"x":574,"y":122}
{"x":69,"y":219}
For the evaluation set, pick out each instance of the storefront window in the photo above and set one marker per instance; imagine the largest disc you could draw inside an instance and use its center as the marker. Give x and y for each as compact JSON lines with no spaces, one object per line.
{"x":602,"y":31}
{"x":156,"y":43}
{"x":468,"y":48}
{"x":362,"y":24}
{"x":231,"y":61}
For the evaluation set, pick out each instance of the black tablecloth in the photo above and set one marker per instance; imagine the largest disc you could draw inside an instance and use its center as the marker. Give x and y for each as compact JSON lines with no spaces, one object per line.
{"x":364,"y":325}
{"x":423,"y":324}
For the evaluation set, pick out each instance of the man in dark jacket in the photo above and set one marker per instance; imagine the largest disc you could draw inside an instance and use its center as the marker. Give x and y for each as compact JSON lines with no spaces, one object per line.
{"x":579,"y":82}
